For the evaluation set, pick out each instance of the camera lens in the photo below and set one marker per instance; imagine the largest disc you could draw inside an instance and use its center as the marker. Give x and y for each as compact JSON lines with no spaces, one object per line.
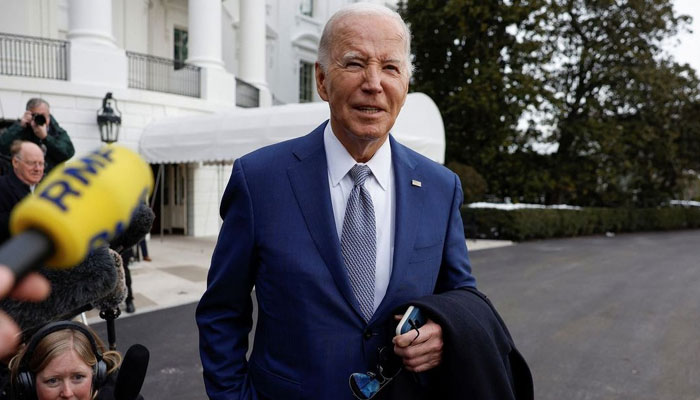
{"x":39,"y":119}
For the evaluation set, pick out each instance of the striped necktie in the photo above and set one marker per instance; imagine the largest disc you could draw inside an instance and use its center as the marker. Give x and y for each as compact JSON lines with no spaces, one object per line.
{"x":358,"y":242}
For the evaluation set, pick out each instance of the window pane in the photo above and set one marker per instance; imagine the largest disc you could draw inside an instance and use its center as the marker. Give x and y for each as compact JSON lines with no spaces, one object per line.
{"x":180,"y":47}
{"x":307,"y":7}
{"x":306,"y":81}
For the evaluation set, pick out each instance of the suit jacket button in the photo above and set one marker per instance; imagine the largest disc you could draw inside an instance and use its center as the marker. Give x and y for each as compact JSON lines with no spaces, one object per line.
{"x":368,"y":334}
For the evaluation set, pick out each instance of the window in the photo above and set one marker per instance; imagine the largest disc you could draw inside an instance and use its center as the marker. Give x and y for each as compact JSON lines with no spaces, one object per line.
{"x":307,"y":8}
{"x":180,"y":48}
{"x":306,"y":82}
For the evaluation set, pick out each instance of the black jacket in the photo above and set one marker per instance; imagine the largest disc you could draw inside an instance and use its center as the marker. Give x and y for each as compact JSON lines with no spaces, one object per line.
{"x":57,"y":143}
{"x":12,"y":190}
{"x":479,"y":358}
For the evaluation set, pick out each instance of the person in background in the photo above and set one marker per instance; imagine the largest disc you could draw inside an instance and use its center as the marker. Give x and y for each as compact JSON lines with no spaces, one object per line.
{"x":127,"y":255}
{"x":38,"y":126}
{"x":62,"y":360}
{"x":144,"y":250}
{"x":27,"y":171}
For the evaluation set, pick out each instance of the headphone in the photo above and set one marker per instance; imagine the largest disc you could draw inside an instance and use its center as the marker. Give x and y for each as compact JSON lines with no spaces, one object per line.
{"x":26,"y":386}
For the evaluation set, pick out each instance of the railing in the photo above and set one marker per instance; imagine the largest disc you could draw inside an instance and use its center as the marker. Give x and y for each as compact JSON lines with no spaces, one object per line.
{"x":163,"y":75}
{"x":33,"y":57}
{"x":247,"y":95}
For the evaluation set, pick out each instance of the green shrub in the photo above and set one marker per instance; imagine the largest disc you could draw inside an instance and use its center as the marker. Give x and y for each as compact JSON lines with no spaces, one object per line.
{"x":473,"y":184}
{"x":525,"y":224}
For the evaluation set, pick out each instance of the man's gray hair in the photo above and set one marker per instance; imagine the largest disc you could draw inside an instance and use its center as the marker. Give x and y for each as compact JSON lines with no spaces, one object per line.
{"x":36,"y":102}
{"x":16,"y":147}
{"x":362,"y":9}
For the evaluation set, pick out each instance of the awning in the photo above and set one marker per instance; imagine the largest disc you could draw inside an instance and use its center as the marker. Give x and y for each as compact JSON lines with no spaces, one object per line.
{"x":228,"y":136}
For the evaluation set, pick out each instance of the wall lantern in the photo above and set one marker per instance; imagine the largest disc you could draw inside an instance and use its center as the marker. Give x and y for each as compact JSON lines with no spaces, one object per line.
{"x":108,"y":120}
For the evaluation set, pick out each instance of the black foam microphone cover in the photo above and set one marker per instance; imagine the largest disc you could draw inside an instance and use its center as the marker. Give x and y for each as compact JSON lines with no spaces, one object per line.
{"x":140,"y":225}
{"x":114,"y":298}
{"x":71,"y":290}
{"x":132,"y":373}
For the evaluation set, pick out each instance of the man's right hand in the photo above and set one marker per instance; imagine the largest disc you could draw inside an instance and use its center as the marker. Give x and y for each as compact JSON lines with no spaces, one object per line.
{"x":26,"y":119}
{"x":34,"y":287}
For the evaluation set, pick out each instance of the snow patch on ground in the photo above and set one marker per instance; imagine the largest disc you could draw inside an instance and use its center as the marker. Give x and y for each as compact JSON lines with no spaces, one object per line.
{"x":517,"y":206}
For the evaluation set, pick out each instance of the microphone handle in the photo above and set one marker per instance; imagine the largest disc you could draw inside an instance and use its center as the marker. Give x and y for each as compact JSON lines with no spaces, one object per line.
{"x":111,"y":334}
{"x":25,"y":252}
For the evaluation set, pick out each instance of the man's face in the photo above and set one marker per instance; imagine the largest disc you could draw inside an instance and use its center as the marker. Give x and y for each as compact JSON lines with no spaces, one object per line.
{"x":29,"y":164}
{"x":366,"y":81}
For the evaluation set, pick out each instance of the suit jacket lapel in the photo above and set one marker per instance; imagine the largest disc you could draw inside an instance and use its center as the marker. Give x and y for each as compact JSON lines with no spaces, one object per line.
{"x":309,"y":180}
{"x":409,"y":206}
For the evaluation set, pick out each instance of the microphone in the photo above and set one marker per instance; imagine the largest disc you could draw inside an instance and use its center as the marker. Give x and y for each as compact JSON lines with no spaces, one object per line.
{"x":71,"y":291}
{"x":116,"y":296}
{"x":109,"y":304}
{"x":78,"y":207}
{"x":132,"y":373}
{"x":141,"y":222}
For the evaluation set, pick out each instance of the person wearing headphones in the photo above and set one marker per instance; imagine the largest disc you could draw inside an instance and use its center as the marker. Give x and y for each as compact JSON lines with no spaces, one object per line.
{"x":62,"y":360}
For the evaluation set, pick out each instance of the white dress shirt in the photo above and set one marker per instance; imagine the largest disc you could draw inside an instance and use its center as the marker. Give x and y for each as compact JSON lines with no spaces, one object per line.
{"x":380,"y":185}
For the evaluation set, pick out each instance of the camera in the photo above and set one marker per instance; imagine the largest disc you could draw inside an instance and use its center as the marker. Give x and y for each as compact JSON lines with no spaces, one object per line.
{"x":39,"y":119}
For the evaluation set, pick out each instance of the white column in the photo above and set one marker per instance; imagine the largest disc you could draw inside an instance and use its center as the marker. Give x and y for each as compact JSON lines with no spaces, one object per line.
{"x":204,"y":33}
{"x":204,"y":50}
{"x":94,"y":58}
{"x":252,"y":66}
{"x":90,"y":21}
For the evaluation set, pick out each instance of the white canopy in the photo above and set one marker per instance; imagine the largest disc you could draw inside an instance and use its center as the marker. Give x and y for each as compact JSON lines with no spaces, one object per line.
{"x":228,"y":136}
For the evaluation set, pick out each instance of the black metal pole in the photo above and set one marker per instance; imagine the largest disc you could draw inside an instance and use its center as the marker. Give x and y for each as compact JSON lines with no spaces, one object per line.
{"x":109,"y":316}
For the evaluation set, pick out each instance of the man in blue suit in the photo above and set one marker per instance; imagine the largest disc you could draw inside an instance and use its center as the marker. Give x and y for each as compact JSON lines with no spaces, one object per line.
{"x":326,"y":286}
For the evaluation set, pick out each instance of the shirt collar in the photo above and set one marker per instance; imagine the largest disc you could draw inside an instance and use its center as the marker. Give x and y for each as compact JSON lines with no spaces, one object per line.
{"x":340,"y":161}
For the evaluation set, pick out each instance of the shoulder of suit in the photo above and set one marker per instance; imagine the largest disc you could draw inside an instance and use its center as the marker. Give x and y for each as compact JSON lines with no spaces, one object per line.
{"x":273,"y":152}
{"x":425,"y":164}
{"x":288,"y":150}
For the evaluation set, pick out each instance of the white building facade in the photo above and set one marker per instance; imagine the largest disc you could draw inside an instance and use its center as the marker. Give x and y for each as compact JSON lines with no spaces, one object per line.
{"x":160,"y":59}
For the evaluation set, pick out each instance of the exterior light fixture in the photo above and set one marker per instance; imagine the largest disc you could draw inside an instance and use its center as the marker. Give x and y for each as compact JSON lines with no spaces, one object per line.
{"x":108,"y":120}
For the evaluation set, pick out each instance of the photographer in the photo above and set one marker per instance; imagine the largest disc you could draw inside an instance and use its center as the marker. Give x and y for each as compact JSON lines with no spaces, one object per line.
{"x":38,"y":126}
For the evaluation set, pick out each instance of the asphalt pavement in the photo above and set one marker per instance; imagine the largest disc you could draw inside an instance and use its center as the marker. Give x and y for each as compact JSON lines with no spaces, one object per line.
{"x":595,"y":317}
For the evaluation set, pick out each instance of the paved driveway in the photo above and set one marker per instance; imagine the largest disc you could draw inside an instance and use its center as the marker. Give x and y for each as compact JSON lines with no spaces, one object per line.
{"x":596,"y":318}
{"x":602,"y":318}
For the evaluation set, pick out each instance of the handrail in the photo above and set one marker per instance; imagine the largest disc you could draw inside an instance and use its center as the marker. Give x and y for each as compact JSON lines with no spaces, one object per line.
{"x":35,"y":57}
{"x":247,"y":95}
{"x":163,"y":75}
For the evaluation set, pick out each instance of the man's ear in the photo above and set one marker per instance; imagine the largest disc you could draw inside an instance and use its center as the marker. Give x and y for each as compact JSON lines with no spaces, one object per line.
{"x":321,"y":82}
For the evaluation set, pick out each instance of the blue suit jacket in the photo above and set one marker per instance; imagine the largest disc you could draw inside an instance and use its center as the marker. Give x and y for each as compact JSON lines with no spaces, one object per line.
{"x":279,"y":235}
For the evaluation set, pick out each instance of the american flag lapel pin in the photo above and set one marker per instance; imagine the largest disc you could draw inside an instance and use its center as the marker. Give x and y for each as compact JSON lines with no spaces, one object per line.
{"x":416,"y":183}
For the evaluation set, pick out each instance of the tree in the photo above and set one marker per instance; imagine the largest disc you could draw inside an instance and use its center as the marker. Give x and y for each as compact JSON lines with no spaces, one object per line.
{"x":468,"y":59}
{"x":587,"y":76}
{"x":618,"y":100}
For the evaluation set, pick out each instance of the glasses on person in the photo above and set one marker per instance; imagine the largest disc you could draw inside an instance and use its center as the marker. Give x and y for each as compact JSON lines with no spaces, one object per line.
{"x":365,"y":386}
{"x":33,"y":164}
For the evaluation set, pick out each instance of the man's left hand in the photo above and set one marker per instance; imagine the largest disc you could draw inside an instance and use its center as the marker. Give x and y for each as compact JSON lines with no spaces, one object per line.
{"x":41,"y":131}
{"x":34,"y":287}
{"x":423,"y":352}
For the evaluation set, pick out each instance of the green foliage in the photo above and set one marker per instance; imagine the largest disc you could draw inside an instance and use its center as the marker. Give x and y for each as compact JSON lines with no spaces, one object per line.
{"x":473,"y":185}
{"x":526,"y":224}
{"x":616,"y":120}
{"x":588,"y":77}
{"x":472,"y":66}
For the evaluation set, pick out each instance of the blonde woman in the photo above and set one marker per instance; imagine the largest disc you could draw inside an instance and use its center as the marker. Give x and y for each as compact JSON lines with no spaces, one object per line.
{"x":63,"y":360}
